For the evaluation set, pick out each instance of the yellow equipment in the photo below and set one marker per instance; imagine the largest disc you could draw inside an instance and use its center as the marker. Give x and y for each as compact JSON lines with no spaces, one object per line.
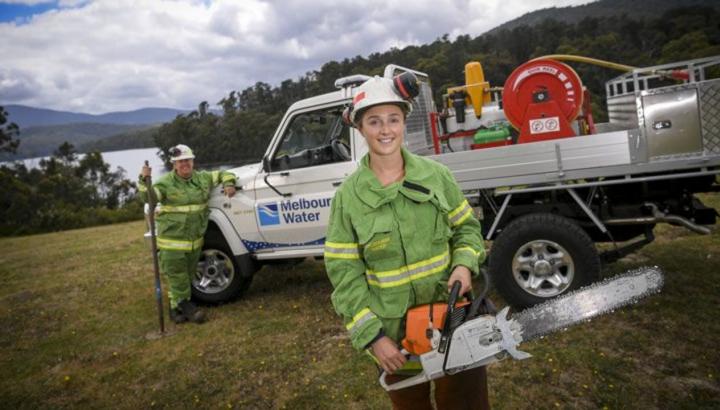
{"x":476,"y":90}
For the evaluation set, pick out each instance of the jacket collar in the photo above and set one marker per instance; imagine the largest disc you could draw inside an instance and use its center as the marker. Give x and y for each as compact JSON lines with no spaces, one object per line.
{"x":178,"y":178}
{"x":415,"y":185}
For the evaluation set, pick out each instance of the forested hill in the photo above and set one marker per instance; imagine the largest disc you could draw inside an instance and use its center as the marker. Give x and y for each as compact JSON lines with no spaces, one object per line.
{"x":43,"y":140}
{"x":250,"y":116}
{"x":43,"y":130}
{"x":638,"y":9}
{"x":26,"y":117}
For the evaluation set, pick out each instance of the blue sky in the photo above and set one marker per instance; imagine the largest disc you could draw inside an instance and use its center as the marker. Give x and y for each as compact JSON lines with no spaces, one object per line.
{"x":21,"y":12}
{"x":97,"y":56}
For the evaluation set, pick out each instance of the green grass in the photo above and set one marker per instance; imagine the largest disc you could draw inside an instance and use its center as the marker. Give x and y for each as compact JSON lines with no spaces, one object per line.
{"x":77,"y":306}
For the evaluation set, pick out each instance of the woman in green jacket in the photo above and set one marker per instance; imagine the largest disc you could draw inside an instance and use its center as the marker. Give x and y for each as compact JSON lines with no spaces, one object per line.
{"x":400,"y":234}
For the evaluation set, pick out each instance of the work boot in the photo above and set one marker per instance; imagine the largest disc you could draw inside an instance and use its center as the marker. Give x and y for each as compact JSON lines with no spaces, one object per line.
{"x":191,"y":312}
{"x":177,"y":316}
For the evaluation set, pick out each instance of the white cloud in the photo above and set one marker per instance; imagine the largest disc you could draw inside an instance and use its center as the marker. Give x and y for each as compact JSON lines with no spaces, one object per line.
{"x":99,"y":56}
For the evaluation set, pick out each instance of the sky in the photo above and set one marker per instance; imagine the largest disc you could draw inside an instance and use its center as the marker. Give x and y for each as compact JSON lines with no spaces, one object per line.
{"x":120,"y":55}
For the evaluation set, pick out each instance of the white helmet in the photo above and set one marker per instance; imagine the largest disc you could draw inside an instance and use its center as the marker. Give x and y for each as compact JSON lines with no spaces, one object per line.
{"x":179,"y":152}
{"x":378,"y":90}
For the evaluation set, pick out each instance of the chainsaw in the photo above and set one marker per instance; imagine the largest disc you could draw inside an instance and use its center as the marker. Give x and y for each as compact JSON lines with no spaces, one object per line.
{"x":465,"y":338}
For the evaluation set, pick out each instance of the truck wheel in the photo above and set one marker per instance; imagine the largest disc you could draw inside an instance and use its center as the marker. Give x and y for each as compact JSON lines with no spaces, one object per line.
{"x":541,"y":256}
{"x":219,"y":277}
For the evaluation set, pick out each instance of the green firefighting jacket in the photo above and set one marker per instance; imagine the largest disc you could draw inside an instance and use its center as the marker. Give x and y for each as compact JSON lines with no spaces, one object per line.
{"x":183,"y":216}
{"x":391,"y":248}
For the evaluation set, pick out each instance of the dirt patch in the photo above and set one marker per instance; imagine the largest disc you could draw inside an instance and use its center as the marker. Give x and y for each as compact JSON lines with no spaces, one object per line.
{"x":21,"y":297}
{"x":686,"y":384}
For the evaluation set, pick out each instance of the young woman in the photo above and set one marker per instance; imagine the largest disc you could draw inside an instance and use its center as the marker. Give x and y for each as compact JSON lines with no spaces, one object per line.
{"x":400,"y":234}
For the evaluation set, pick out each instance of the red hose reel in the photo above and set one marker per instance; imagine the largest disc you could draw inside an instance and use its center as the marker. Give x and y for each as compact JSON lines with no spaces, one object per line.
{"x":541,"y":98}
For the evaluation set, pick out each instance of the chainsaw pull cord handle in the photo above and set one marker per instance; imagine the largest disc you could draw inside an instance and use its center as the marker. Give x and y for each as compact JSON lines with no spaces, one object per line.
{"x":431,"y":326}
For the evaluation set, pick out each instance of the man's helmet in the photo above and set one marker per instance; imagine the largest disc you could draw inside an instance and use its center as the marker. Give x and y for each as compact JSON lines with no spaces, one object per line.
{"x":378,"y":90}
{"x":179,"y":152}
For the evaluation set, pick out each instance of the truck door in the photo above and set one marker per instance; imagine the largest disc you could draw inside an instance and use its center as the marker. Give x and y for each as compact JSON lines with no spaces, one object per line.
{"x":300,"y":176}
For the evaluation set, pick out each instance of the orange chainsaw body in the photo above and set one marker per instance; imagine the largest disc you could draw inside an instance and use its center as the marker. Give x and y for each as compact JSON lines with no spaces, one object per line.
{"x":417,"y":338}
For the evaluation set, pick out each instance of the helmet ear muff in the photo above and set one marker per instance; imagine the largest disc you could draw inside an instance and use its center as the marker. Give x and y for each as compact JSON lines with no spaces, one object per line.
{"x":406,"y":85}
{"x":174,"y":153}
{"x":346,"y":115}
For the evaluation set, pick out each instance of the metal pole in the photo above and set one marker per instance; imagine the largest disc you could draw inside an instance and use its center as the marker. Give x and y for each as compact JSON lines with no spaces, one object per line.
{"x":153,"y":246}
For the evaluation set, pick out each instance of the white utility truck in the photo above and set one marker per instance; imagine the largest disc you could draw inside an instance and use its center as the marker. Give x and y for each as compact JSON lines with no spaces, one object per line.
{"x":546,"y":182}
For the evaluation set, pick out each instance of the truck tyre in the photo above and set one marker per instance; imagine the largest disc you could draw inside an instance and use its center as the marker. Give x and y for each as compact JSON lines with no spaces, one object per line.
{"x":541,"y":256}
{"x":219,"y":276}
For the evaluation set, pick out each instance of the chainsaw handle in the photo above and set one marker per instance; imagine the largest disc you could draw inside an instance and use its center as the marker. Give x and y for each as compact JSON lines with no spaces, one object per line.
{"x":411,"y":381}
{"x":452,"y":300}
{"x":454,"y":294}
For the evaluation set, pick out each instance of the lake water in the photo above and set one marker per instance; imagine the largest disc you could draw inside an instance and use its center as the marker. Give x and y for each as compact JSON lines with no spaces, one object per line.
{"x":131,"y":160}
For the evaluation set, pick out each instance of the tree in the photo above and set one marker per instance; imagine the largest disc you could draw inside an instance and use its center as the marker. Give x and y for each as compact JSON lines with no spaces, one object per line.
{"x":8,"y":133}
{"x":64,"y":193}
{"x":66,"y":153}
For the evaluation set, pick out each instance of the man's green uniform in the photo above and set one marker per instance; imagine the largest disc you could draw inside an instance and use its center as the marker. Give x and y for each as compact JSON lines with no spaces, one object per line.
{"x":391,"y":248}
{"x":181,"y":224}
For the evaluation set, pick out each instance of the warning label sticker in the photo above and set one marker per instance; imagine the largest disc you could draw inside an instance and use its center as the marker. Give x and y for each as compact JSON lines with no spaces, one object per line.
{"x":543,"y":125}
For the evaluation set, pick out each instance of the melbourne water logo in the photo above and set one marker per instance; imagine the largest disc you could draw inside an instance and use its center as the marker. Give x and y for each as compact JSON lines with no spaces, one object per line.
{"x":268,"y":214}
{"x":296,"y":211}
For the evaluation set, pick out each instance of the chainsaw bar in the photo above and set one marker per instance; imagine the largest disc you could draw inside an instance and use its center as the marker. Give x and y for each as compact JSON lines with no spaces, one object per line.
{"x":589,"y":302}
{"x":484,"y":339}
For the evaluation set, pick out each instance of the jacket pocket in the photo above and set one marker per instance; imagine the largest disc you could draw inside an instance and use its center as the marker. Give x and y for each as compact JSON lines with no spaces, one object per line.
{"x":379,"y":238}
{"x":390,"y":303}
{"x":172,"y":224}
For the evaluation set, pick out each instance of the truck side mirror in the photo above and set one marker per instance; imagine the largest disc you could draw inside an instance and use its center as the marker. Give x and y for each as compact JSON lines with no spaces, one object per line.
{"x":266,"y":164}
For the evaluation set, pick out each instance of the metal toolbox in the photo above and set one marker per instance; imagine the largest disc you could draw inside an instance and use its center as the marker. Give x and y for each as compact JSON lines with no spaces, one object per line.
{"x":673,"y":121}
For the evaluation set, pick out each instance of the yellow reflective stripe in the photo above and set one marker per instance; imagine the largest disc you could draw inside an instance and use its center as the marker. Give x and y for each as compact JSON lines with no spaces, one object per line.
{"x":463,"y":218}
{"x":158,"y":194}
{"x":178,"y":244}
{"x":228,"y":178}
{"x":411,"y":267}
{"x":360,"y":319}
{"x":406,"y":274}
{"x":215,"y":176}
{"x":468,"y":249}
{"x":341,"y":255}
{"x":459,"y":209}
{"x":342,"y":250}
{"x":184,"y":208}
{"x":460,"y":214}
{"x":343,"y":245}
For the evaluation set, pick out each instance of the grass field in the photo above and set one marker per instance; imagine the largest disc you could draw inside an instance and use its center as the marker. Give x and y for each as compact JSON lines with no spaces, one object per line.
{"x":77,"y":307}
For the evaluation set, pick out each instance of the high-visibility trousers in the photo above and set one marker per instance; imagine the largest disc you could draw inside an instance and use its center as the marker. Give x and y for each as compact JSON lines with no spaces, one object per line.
{"x":179,"y":267}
